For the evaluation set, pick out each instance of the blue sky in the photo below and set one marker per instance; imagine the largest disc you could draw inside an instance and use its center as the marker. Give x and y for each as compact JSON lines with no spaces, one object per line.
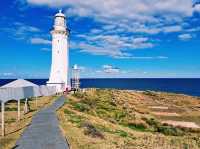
{"x":109,"y":38}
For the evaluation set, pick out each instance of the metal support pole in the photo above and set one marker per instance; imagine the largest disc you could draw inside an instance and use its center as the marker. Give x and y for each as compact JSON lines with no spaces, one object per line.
{"x":2,"y":119}
{"x":18,"y":110}
{"x":36,"y":103}
{"x":25,"y":106}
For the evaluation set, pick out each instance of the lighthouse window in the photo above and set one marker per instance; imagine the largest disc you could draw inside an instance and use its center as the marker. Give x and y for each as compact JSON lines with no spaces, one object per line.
{"x":58,"y":52}
{"x":58,"y":41}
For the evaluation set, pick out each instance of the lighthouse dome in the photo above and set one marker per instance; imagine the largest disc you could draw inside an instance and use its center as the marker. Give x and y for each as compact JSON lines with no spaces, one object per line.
{"x":60,"y":14}
{"x":60,"y":21}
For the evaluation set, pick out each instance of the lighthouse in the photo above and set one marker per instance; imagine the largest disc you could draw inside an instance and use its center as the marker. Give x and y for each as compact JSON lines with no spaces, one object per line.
{"x":60,"y":53}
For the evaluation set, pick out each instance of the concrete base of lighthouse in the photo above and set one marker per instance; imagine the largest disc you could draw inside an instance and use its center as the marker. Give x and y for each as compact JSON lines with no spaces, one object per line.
{"x":60,"y":87}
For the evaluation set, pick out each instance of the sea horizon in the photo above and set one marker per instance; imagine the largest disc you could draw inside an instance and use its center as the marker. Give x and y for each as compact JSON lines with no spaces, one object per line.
{"x":187,"y":86}
{"x":109,"y":78}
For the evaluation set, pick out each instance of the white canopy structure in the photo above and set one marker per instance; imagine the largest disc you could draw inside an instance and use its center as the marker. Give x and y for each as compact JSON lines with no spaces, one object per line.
{"x":19,"y":83}
{"x":21,"y":89}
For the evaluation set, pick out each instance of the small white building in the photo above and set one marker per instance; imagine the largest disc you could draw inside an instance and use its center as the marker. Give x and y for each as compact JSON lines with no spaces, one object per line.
{"x":60,"y":54}
{"x":75,"y":77}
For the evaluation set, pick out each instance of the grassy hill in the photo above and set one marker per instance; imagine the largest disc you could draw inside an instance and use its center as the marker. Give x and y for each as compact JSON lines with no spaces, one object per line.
{"x":109,"y":119}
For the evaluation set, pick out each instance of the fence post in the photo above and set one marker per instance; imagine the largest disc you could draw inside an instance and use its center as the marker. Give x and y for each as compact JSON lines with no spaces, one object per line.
{"x":36,"y":102}
{"x":25,"y":106}
{"x":2,"y":118}
{"x":18,"y":109}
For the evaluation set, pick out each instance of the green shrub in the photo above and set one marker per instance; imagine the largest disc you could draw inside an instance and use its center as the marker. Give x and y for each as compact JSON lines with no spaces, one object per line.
{"x":119,"y":115}
{"x":152,"y":122}
{"x":9,"y":121}
{"x":81,"y":107}
{"x":104,"y":129}
{"x":102,"y":113}
{"x":11,"y":109}
{"x":73,"y":118}
{"x":137,"y":126}
{"x":149,"y":93}
{"x":66,"y":111}
{"x":76,"y":119}
{"x":79,"y":95}
{"x":170,"y":131}
{"x":164,"y":129}
{"x":91,"y":130}
{"x":90,"y":101}
{"x":5,"y":141}
{"x":121,"y":133}
{"x":186,"y":146}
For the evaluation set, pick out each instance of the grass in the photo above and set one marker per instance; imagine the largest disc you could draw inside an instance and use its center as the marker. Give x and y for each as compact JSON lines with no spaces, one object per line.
{"x":15,"y":128}
{"x":139,"y":127}
{"x":121,"y":133}
{"x":91,"y":130}
{"x":123,"y":120}
{"x":102,"y":105}
{"x":170,"y":131}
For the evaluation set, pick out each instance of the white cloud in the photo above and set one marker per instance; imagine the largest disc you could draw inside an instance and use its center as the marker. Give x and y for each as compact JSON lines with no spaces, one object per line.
{"x":132,"y":9}
{"x":21,"y":27}
{"x":98,"y":50}
{"x":158,"y":14}
{"x":197,"y":8}
{"x":114,"y":46}
{"x":95,"y":31}
{"x":19,"y":30}
{"x":107,"y":66}
{"x":162,"y":57}
{"x":46,"y":49}
{"x":145,"y":57}
{"x":126,"y":11}
{"x":120,"y":17}
{"x":185,"y":37}
{"x":7,"y":74}
{"x":40,"y":41}
{"x":142,"y":43}
{"x":110,"y":69}
{"x":170,"y":29}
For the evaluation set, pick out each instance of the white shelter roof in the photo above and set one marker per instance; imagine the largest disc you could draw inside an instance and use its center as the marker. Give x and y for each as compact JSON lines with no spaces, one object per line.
{"x":19,"y":83}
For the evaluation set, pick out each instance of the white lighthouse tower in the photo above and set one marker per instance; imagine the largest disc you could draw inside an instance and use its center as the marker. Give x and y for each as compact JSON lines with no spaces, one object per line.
{"x":60,"y":51}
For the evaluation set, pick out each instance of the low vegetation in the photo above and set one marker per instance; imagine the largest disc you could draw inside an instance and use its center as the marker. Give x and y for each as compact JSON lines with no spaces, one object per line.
{"x":104,"y":118}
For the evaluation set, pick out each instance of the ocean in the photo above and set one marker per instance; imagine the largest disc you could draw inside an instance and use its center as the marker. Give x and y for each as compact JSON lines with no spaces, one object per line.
{"x":182,"y":86}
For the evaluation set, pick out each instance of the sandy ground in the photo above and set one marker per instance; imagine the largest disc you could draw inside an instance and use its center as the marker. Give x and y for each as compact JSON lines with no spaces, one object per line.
{"x":182,"y":124}
{"x":159,"y":107}
{"x":165,"y":113}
